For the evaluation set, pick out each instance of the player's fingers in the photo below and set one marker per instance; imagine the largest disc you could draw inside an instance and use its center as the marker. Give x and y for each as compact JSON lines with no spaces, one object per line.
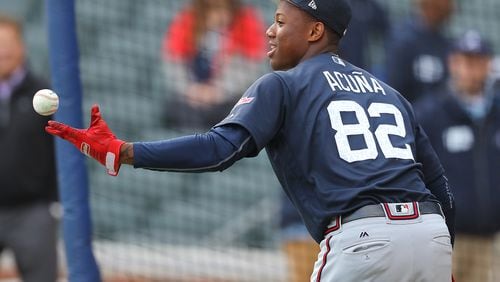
{"x":55,"y":127}
{"x":56,"y":131}
{"x":53,"y":131}
{"x":95,"y":114}
{"x":62,"y":130}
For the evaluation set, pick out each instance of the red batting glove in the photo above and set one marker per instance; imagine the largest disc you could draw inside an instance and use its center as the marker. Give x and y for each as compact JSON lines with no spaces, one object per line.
{"x":97,"y":141}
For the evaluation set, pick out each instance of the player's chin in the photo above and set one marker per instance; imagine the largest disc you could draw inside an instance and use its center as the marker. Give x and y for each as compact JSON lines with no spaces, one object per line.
{"x":274,"y":66}
{"x":277,"y":65}
{"x":278,"y":61}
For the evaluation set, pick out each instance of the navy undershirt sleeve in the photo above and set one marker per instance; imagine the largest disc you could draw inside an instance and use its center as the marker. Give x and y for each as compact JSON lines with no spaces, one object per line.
{"x":215,"y":150}
{"x":441,"y":190}
{"x":435,"y":179}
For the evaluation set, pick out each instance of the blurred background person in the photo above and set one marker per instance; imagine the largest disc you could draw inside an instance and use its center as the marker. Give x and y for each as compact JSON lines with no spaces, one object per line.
{"x":28,"y":179}
{"x":366,"y":36}
{"x":418,"y":49}
{"x":463,"y":125}
{"x":213,"y":50}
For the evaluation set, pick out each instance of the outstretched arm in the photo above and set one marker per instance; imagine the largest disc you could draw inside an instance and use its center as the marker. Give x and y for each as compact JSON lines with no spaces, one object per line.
{"x":215,"y":150}
{"x":212,"y":151}
{"x":127,"y":154}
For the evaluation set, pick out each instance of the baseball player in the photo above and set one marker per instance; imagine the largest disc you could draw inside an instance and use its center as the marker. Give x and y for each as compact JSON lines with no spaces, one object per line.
{"x":344,"y":145}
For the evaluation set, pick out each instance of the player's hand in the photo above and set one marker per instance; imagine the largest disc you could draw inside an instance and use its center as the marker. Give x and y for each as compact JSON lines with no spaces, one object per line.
{"x":97,"y":141}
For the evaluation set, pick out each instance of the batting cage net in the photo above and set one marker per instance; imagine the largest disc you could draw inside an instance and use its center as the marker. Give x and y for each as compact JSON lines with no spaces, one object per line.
{"x":157,"y":226}
{"x":163,"y":226}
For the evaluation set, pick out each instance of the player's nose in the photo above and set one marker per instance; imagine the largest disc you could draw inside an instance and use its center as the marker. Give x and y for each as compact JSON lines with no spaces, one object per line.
{"x":270,"y":31}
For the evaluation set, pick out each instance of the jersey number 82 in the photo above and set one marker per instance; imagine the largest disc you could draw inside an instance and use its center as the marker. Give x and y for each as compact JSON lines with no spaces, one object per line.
{"x":380,"y":134}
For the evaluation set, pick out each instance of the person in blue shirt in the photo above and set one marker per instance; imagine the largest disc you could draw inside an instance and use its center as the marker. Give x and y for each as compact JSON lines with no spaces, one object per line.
{"x":345,"y":147}
{"x":463,"y":125}
{"x":418,"y":49}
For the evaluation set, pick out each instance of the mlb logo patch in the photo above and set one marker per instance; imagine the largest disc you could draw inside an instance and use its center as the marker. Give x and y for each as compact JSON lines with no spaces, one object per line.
{"x":401,"y":210}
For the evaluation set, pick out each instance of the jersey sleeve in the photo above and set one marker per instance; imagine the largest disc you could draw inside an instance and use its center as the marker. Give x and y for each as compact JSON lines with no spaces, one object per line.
{"x":434,"y":174}
{"x":261,"y":109}
{"x":431,"y":165}
{"x":215,"y":150}
{"x":434,"y":178}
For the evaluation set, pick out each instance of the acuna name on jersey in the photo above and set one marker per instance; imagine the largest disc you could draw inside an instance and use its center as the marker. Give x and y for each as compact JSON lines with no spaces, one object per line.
{"x":354,"y":82}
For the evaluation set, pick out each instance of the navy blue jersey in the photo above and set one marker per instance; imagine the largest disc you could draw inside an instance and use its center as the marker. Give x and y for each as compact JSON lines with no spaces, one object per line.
{"x":337,"y":138}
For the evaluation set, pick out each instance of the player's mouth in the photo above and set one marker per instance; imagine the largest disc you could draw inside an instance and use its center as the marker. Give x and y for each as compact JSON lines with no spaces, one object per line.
{"x":272,"y":50}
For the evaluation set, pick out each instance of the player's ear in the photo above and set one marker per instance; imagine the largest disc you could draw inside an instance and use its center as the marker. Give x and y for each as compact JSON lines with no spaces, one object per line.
{"x":317,"y":31}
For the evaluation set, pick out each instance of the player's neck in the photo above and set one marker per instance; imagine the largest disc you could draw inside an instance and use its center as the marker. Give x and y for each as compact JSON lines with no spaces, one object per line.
{"x":317,"y":50}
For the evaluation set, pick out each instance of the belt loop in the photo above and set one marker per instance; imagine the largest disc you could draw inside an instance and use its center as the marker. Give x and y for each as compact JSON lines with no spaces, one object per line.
{"x":334,"y":225}
{"x":441,"y":213}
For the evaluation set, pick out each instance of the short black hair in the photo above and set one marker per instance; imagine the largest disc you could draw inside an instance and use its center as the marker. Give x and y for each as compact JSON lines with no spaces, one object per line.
{"x":333,"y":37}
{"x":335,"y":14}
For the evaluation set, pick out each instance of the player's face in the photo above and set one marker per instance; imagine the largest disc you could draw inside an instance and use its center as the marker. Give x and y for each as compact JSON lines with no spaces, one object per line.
{"x":288,"y":36}
{"x":11,"y":50}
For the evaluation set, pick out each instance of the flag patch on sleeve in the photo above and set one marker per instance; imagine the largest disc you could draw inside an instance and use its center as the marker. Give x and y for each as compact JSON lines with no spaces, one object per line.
{"x":245,"y":100}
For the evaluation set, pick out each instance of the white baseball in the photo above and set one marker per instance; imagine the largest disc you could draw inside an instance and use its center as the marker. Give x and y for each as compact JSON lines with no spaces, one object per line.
{"x":45,"y":102}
